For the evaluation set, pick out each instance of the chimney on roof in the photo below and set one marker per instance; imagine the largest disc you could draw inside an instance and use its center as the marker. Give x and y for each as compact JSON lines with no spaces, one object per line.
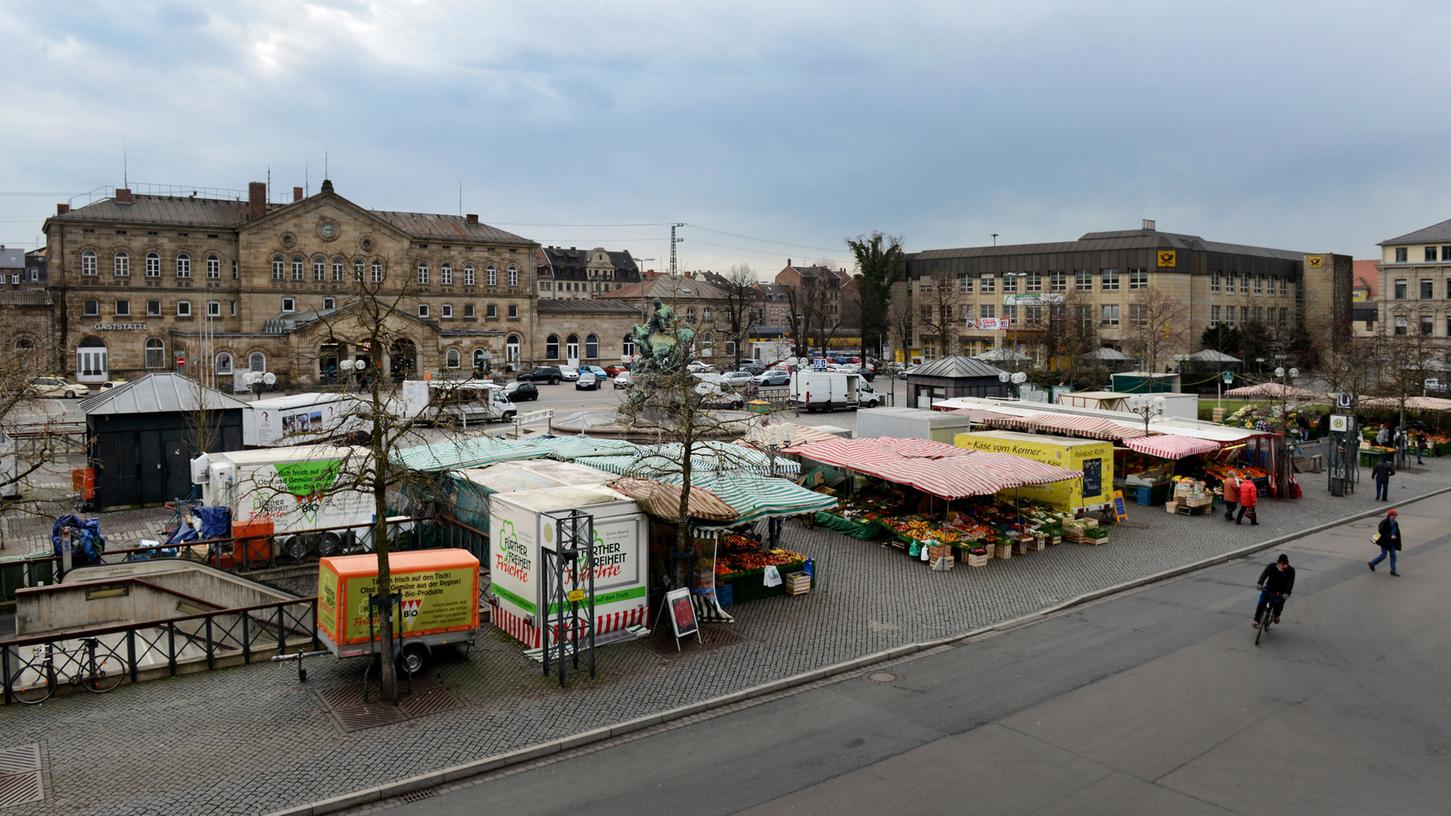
{"x":256,"y":199}
{"x":788,"y":263}
{"x":296,"y":193}
{"x":62,"y":209}
{"x":471,"y":218}
{"x":327,"y":185}
{"x":123,"y":196}
{"x":1149,"y":225}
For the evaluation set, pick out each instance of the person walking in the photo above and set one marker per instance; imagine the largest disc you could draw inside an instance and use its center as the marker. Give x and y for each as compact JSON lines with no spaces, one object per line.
{"x":1230,"y":488}
{"x":1388,"y":538}
{"x":1382,"y":473}
{"x":1383,"y":436}
{"x":1420,"y":447}
{"x":1249,"y":498}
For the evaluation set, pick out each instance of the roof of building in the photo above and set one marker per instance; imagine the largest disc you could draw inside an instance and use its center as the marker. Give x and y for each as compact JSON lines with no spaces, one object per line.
{"x":12,"y":258}
{"x":1109,"y":241}
{"x":158,"y":393}
{"x":571,"y":262}
{"x":955,"y":366}
{"x":668,"y":287}
{"x":550,"y":306}
{"x":219,"y":213}
{"x":30,"y":296}
{"x":1436,"y":233}
{"x":1365,"y":275}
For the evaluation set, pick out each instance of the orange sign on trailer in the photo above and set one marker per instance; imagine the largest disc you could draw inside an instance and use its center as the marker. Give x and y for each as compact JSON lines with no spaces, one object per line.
{"x":439,"y":591}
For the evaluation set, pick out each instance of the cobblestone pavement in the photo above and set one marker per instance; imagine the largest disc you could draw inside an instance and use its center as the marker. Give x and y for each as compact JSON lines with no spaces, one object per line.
{"x":251,"y":739}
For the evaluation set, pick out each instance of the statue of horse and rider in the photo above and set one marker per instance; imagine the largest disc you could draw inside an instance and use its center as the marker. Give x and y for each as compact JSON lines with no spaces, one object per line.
{"x":662,"y":344}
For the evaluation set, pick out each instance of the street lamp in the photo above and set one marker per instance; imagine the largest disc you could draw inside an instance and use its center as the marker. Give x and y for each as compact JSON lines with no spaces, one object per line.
{"x":1146,"y":407}
{"x":257,"y":380}
{"x":1285,"y":377}
{"x":1017,"y":378}
{"x":348,"y":367}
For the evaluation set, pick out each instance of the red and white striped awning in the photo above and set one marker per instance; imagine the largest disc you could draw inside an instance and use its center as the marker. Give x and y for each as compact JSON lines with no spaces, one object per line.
{"x":1171,"y":446}
{"x":1086,"y":427}
{"x":933,"y":467}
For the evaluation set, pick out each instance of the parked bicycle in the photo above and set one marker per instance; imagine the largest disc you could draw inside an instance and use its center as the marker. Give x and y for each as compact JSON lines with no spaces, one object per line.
{"x":90,"y":666}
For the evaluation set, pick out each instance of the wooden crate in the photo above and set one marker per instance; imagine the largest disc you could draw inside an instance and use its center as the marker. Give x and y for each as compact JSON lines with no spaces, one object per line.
{"x":943,"y":564}
{"x":977,"y":560}
{"x":1003,"y":551}
{"x":797,"y":583}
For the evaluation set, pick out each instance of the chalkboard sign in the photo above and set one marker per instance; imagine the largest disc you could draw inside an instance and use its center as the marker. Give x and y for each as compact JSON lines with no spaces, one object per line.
{"x":1120,"y":510}
{"x":1092,"y":477}
{"x":682,"y":615}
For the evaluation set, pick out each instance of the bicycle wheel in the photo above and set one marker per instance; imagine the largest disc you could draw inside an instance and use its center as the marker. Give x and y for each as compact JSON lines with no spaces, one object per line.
{"x":1264,"y":624}
{"x":108,"y":674}
{"x":29,"y":687}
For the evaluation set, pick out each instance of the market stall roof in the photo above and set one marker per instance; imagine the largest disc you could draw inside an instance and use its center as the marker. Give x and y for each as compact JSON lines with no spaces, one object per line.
{"x":956,"y":366}
{"x":653,"y":461}
{"x":473,"y":452}
{"x":1207,"y":356}
{"x":933,"y":467}
{"x":785,"y":433}
{"x":1412,"y":403}
{"x":1171,"y":446}
{"x":756,"y":497}
{"x":662,"y":500}
{"x":159,"y":393}
{"x":1085,"y":427}
{"x":1107,"y":354}
{"x":531,"y":474}
{"x":1270,"y":390}
{"x":566,"y":448}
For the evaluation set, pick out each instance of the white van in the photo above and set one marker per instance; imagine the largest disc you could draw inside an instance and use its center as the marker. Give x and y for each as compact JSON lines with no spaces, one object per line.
{"x":470,"y":402}
{"x":824,"y":390}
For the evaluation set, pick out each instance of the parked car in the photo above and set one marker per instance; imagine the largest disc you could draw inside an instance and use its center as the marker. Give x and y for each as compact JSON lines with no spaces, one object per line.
{"x":775,"y":376}
{"x":586,"y":380}
{"x":599,"y":372}
{"x":570,"y":373}
{"x":697,"y":367}
{"x":521,"y":391}
{"x":737,"y":379}
{"x":545,"y":374}
{"x":752,"y":366}
{"x":624,"y":379}
{"x":617,"y":369}
{"x":57,"y":387}
{"x":116,"y":383}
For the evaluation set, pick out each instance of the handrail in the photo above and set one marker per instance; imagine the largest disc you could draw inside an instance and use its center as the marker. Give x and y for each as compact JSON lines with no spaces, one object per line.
{"x":30,"y":640}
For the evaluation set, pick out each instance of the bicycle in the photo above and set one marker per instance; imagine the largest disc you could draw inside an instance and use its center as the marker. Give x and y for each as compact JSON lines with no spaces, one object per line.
{"x":95,"y":676}
{"x":1269,"y":614}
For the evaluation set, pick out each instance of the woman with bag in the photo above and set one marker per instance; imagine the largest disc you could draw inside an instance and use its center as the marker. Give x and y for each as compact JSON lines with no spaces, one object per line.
{"x":1230,"y":488}
{"x":1249,"y":499}
{"x":1388,"y":538}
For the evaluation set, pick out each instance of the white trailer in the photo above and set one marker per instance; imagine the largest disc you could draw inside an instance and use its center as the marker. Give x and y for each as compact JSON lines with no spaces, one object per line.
{"x":292,"y":493}
{"x":458,"y":402}
{"x":301,"y":419}
{"x":824,"y":390}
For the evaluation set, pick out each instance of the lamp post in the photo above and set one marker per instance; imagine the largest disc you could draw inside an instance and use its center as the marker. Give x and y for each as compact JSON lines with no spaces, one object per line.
{"x":257,"y":380}
{"x":1017,"y":378}
{"x":1146,"y":407}
{"x":1285,"y":377}
{"x":348,"y":367}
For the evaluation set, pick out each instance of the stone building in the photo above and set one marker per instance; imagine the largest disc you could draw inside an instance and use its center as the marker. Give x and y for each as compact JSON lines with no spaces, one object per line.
{"x":1415,"y":287}
{"x":581,"y":274}
{"x":139,"y":281}
{"x":597,"y":332}
{"x":824,"y":305}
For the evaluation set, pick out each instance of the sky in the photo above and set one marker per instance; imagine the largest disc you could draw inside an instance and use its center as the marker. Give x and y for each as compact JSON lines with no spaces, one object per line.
{"x":773,"y":130}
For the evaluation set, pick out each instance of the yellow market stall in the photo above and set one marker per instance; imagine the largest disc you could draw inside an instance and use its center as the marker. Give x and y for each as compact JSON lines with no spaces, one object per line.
{"x":1091,"y":457}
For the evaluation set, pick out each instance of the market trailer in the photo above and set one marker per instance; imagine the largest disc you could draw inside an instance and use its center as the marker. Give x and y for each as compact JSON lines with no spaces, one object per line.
{"x":1093,"y":458}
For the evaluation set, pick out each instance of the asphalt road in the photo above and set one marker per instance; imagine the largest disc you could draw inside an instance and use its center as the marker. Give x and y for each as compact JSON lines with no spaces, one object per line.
{"x":1154,"y":701}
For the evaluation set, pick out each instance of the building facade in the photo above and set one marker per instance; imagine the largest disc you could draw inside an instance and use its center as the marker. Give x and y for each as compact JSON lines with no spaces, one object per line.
{"x":986,"y":297}
{"x":140,"y":282}
{"x":581,"y":274}
{"x":1415,"y":287}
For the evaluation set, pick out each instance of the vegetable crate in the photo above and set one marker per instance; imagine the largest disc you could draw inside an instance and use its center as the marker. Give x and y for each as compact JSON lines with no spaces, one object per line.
{"x":797,"y":583}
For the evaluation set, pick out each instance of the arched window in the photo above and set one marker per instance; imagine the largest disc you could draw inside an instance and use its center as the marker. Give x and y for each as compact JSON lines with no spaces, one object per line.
{"x":571,"y":347}
{"x":214,"y":266}
{"x":511,"y":349}
{"x":319,"y":269}
{"x":377,"y":269}
{"x":358,"y":265}
{"x":423,"y":273}
{"x":88,"y":262}
{"x":513,"y":276}
{"x":707,"y":345}
{"x":298,"y":265}
{"x":24,"y":344}
{"x":337,"y":270}
{"x":468,"y":274}
{"x":627,"y":348}
{"x":279,"y":267}
{"x":491,"y":275}
{"x":445,"y":274}
{"x":183,"y":265}
{"x":153,"y":264}
{"x":481,"y":360}
{"x":224,"y":363}
{"x":257,"y":361}
{"x":121,"y":264}
{"x":592,"y":346}
{"x":155,"y":353}
{"x":551,"y":347}
{"x":451,"y":358}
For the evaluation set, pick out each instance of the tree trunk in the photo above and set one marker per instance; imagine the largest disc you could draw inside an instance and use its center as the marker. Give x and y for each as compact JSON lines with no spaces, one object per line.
{"x":387,"y":674}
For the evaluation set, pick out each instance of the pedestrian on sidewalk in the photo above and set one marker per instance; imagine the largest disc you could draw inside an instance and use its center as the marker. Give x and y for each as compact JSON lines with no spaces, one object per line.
{"x":1382,"y":473}
{"x":1420,"y":447}
{"x":1249,"y":498}
{"x":1388,"y":538}
{"x":1383,"y":436}
{"x":1230,"y":488}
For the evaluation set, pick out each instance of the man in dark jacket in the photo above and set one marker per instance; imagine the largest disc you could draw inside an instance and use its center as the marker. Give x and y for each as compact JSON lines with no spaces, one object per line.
{"x":1382,"y":473}
{"x":1276,"y":583}
{"x":1389,"y":539}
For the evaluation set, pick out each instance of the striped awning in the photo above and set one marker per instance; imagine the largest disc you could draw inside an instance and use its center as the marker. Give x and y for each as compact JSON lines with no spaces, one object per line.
{"x":1270,"y":390}
{"x":933,"y":467}
{"x":1087,"y":427}
{"x":756,"y":497}
{"x":662,"y":500}
{"x":472,"y":452}
{"x":1171,"y":446}
{"x":1416,"y":403}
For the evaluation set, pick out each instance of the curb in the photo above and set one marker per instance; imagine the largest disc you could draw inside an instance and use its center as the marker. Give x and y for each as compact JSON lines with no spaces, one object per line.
{"x":378,"y":793}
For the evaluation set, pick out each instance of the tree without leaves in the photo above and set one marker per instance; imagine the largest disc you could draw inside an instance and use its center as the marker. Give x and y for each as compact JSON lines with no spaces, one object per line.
{"x":938,"y":309}
{"x":1158,"y":326}
{"x":1403,"y":360}
{"x":878,"y":267}
{"x":33,"y":434}
{"x":741,"y":304}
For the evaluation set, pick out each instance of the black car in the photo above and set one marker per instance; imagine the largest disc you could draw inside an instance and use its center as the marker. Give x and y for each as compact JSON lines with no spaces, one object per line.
{"x":751,"y":366}
{"x":548,"y":374}
{"x":521,"y":391}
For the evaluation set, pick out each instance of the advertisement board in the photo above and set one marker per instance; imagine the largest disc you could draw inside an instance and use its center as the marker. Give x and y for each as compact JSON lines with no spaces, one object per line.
{"x":438,"y":590}
{"x":1090,"y":457}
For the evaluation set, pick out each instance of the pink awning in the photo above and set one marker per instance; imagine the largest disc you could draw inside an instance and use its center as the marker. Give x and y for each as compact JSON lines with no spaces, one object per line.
{"x":933,"y":467}
{"x":1088,"y":427}
{"x":1171,"y":446}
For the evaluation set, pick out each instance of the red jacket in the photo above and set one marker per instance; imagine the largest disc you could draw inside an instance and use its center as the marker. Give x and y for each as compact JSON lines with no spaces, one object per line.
{"x":1249,"y":495}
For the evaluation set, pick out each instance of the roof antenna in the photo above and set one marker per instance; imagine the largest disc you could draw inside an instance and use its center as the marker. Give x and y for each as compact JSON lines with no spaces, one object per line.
{"x":125,"y":167}
{"x":306,"y":179}
{"x":460,"y":196}
{"x":269,"y":184}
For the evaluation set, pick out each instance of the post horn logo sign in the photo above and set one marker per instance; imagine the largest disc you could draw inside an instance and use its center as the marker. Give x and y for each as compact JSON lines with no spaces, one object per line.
{"x":1315,"y":261}
{"x":1168,"y":258}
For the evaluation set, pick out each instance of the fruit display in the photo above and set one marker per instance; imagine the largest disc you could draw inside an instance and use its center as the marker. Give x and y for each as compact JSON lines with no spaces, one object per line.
{"x":730,"y":565}
{"x":876,"y":501}
{"x":1220,"y":471}
{"x":980,"y":525}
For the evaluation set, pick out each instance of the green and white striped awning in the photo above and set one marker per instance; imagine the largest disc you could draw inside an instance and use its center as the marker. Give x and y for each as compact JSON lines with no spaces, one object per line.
{"x":569,"y":448}
{"x":473,"y":452}
{"x":757,"y":497}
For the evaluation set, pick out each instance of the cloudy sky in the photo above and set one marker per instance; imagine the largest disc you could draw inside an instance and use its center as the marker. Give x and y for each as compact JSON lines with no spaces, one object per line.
{"x":773,"y":129}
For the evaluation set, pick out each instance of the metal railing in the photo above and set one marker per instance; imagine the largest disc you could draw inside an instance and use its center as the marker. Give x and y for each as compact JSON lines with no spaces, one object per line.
{"x":158,"y":648}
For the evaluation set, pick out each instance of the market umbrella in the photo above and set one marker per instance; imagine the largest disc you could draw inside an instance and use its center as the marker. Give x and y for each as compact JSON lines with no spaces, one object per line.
{"x":1207,"y":356}
{"x":1089,"y":427}
{"x":1269,"y":390}
{"x":998,"y":355}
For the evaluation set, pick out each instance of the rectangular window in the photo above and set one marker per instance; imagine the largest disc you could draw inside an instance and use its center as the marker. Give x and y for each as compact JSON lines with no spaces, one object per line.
{"x":183,"y":266}
{"x":214,"y":266}
{"x":1402,"y":325}
{"x":1035,"y":282}
{"x":1214,"y":280}
{"x":1244,"y":284}
{"x":1108,"y":314}
{"x":513,"y":311}
{"x":491,"y":311}
{"x":1259,"y":284}
{"x":448,"y":311}
{"x":214,"y":308}
{"x":1430,"y":254}
{"x":1283,"y":284}
{"x":1010,"y":313}
{"x":1138,"y":279}
{"x":319,"y":270}
{"x":153,"y":308}
{"x":279,"y":267}
{"x":988,"y":310}
{"x":121,"y":265}
{"x":962,"y":285}
{"x":1033,"y":315}
{"x":491,"y":276}
{"x":289,"y":304}
{"x":1213,"y":316}
{"x":328,"y":304}
{"x":1082,"y":280}
{"x":1244,"y":314}
{"x":445,"y":275}
{"x":513,"y":276}
{"x":1010,"y":282}
{"x":468,"y":275}
{"x":1058,"y":281}
{"x":123,"y":308}
{"x":1401,"y":253}
{"x":92,"y":308}
{"x":232,"y":308}
{"x":469,"y":311}
{"x":183,"y":308}
{"x":1284,"y":316}
{"x":1428,"y":289}
{"x":88,"y":263}
{"x":297,"y":268}
{"x":152,"y":265}
{"x":1229,"y":315}
{"x":1428,"y":326}
{"x":1109,"y":278}
{"x":1137,"y":315}
{"x":987,"y":284}
{"x":423,"y":310}
{"x":1400,"y":289}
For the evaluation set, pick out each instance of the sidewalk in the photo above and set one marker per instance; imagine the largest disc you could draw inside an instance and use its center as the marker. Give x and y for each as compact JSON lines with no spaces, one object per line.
{"x":253,"y":739}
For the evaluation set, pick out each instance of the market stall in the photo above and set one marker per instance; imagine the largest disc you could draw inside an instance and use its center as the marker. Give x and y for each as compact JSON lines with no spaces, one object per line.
{"x":1092,"y":459}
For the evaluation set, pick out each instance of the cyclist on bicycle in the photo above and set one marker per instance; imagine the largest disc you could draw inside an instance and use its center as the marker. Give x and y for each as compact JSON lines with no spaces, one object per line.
{"x":1276,"y":583}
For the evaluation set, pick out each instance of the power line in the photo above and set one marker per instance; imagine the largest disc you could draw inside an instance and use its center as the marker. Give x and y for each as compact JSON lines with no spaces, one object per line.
{"x":591,"y":226}
{"x":35,"y":195}
{"x":765,"y":240}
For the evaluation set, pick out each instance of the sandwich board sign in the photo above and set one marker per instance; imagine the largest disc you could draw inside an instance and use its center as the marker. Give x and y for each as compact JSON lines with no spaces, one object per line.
{"x":682,"y":615}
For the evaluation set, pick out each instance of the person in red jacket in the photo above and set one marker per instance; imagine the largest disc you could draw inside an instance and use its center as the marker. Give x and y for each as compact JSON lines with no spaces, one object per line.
{"x":1249,"y":497}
